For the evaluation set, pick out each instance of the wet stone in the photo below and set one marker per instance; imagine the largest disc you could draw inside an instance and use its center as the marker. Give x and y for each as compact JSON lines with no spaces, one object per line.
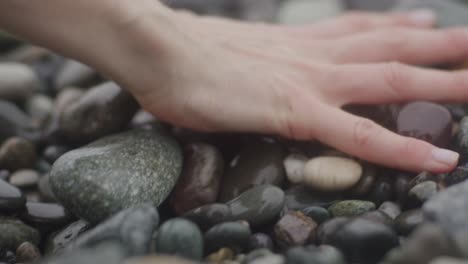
{"x":17,"y":153}
{"x":378,"y":216}
{"x":39,"y":107}
{"x":17,"y":81}
{"x":7,"y":257}
{"x":391,"y":209}
{"x":180,"y":237}
{"x":294,"y":165}
{"x":259,"y":205}
{"x":351,"y":208}
{"x":300,"y":197}
{"x":131,"y":228}
{"x":426,"y":121}
{"x":318,"y":214}
{"x":15,"y":123}
{"x":421,"y":193}
{"x":46,"y":216}
{"x":423,"y":177}
{"x":209,"y":215}
{"x":259,"y":241}
{"x":15,"y":232}
{"x":258,"y":163}
{"x":234,"y":235}
{"x":364,"y":241}
{"x":116,"y":181}
{"x":27,"y":252}
{"x":408,"y":221}
{"x":58,"y":241}
{"x":24,"y":179}
{"x":112,"y":109}
{"x":460,"y":174}
{"x":447,"y":260}
{"x":401,"y":187}
{"x":382,"y":190}
{"x":294,"y":229}
{"x":199,"y":181}
{"x":53,"y":152}
{"x":45,"y":190}
{"x":366,"y":182}
{"x":11,"y":198}
{"x":328,"y":228}
{"x":222,"y":255}
{"x":315,"y":255}
{"x":102,"y":253}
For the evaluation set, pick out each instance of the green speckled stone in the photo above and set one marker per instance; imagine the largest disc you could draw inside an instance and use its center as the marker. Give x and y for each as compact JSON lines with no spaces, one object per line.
{"x":14,"y":232}
{"x":351,"y":208}
{"x":180,"y":237}
{"x":117,"y":172}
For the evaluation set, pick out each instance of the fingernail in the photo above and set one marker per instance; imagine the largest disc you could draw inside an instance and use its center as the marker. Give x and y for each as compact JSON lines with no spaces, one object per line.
{"x":422,"y":17}
{"x":445,"y":156}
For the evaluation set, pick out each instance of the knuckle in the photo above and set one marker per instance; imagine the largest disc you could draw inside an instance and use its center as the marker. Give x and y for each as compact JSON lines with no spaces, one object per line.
{"x":364,"y":131}
{"x":395,"y":77}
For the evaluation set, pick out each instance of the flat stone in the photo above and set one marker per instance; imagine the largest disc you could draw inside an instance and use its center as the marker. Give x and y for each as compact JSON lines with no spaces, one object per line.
{"x":17,"y":81}
{"x":259,"y":162}
{"x":364,"y":241}
{"x":46,"y":216}
{"x":112,"y":109}
{"x":11,"y":198}
{"x":39,"y":107}
{"x":392,"y":209}
{"x":259,"y":205}
{"x":24,"y":178}
{"x":17,"y":153}
{"x":351,"y":208}
{"x":294,"y":229}
{"x":327,"y":229}
{"x":408,"y":221}
{"x":332,"y":173}
{"x":117,"y":172}
{"x":426,"y":121}
{"x":15,"y":232}
{"x":180,"y":237}
{"x":199,"y":181}
{"x":233,"y":235}
{"x":131,"y":228}
{"x":58,"y":241}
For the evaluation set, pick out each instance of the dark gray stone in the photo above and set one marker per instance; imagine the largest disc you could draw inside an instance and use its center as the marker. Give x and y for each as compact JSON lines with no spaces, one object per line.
{"x":11,"y":198}
{"x":14,"y":122}
{"x":230,"y":234}
{"x":17,"y":153}
{"x":209,"y":215}
{"x":15,"y":232}
{"x":315,"y":255}
{"x":102,"y":253}
{"x":117,"y":172}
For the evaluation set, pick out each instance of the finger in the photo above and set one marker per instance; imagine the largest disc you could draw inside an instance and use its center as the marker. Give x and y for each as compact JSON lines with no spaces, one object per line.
{"x":394,"y":82}
{"x":365,"y":139}
{"x":363,"y":22}
{"x":408,"y":45}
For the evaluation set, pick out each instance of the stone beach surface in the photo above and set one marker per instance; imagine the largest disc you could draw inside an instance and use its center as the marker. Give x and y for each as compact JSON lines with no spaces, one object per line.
{"x":86,"y":176}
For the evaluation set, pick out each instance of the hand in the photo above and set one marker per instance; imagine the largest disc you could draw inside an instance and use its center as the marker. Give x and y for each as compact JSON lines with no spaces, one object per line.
{"x":220,"y":75}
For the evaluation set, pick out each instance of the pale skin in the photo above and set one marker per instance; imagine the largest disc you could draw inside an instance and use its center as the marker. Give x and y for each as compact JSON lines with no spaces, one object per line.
{"x":212,"y":74}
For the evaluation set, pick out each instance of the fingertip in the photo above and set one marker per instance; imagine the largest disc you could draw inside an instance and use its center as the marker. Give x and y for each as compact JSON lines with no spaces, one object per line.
{"x":441,"y":160}
{"x":422,"y":18}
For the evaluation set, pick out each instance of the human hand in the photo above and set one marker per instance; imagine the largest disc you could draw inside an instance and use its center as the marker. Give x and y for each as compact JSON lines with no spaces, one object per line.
{"x":220,"y":75}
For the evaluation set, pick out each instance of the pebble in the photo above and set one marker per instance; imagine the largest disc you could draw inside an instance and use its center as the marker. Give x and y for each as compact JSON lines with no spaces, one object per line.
{"x":258,"y":163}
{"x":332,"y":173}
{"x":259,"y":205}
{"x":157,"y":259}
{"x":11,"y":198}
{"x":378,"y":217}
{"x":366,"y":182}
{"x":45,"y":190}
{"x":420,"y":193}
{"x":15,"y":232}
{"x":27,"y":253}
{"x":101,"y":253}
{"x":392,"y":209}
{"x":426,"y":121}
{"x":260,"y":241}
{"x":180,"y":237}
{"x":132,"y":228}
{"x":448,"y":209}
{"x":328,"y":228}
{"x":24,"y":178}
{"x":294,"y":165}
{"x":4,"y":175}
{"x":460,"y":174}
{"x":363,"y":241}
{"x":53,"y":152}
{"x":100,"y":179}
{"x":446,"y":260}
{"x":15,"y":123}
{"x":74,"y":74}
{"x":425,"y":243}
{"x":269,"y":259}
{"x":323,"y":254}
{"x":401,"y":187}
{"x":45,"y":216}
{"x":112,"y":109}
{"x":199,"y":181}
{"x":408,"y":221}
{"x":39,"y":107}
{"x":17,"y":153}
{"x":300,"y":197}
{"x":351,"y":208}
{"x":234,"y":235}
{"x":318,"y":214}
{"x":17,"y":81}
{"x":58,"y":241}
{"x":294,"y":229}
{"x":209,"y":215}
{"x":222,"y":255}
{"x":382,"y":190}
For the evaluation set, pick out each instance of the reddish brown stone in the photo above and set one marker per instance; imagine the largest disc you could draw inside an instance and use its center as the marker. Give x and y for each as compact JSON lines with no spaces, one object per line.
{"x":294,"y":229}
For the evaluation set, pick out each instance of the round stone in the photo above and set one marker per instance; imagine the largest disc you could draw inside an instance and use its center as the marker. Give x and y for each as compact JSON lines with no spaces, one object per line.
{"x":382,"y":190}
{"x":294,"y":165}
{"x":17,"y":153}
{"x":319,"y":255}
{"x":259,"y":241}
{"x":27,"y":253}
{"x":209,"y":215}
{"x":426,"y":121}
{"x":332,"y":173}
{"x":318,"y":214}
{"x":24,"y":178}
{"x":328,"y":228}
{"x":391,"y":209}
{"x":421,"y":193}
{"x":230,"y":234}
{"x":53,"y":152}
{"x":180,"y":237}
{"x":460,"y":174}
{"x":351,"y":208}
{"x":15,"y":123}
{"x":15,"y":232}
{"x":45,"y":216}
{"x":117,"y":172}
{"x":199,"y":181}
{"x":11,"y":198}
{"x":367,"y":181}
{"x":408,"y":221}
{"x":294,"y":229}
{"x":157,"y":259}
{"x":17,"y":81}
{"x":299,"y":197}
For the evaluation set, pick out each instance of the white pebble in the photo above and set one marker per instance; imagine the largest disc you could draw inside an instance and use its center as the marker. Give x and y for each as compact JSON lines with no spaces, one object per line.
{"x":294,"y":166}
{"x":332,"y":173}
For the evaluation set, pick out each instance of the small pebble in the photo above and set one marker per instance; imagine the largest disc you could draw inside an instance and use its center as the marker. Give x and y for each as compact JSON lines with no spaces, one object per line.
{"x":294,"y":229}
{"x":221,"y":256}
{"x":11,"y":198}
{"x":27,"y":252}
{"x":294,"y":165}
{"x":17,"y":153}
{"x":408,"y":221}
{"x":318,"y":214}
{"x":332,"y":173}
{"x":351,"y":208}
{"x":234,"y":235}
{"x":24,"y":178}
{"x":259,"y":241}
